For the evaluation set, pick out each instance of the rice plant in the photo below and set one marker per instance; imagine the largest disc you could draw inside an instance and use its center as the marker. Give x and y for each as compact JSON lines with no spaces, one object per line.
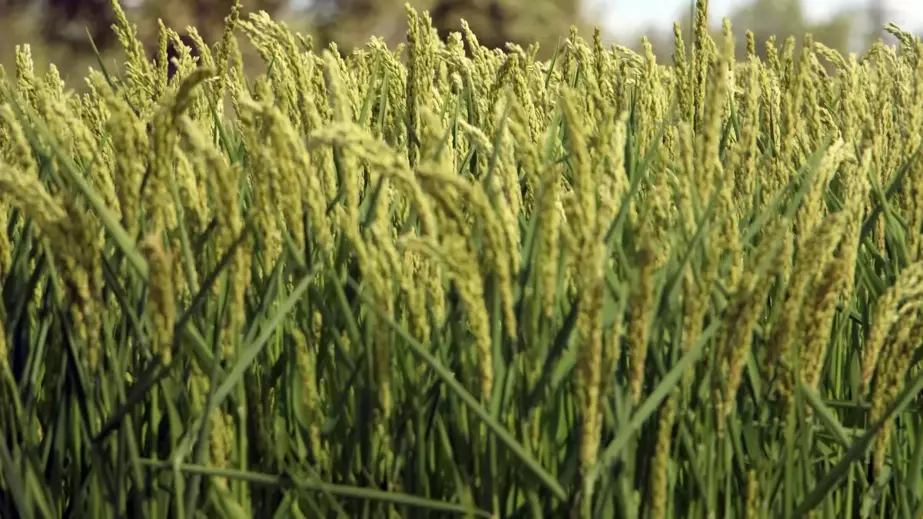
{"x":445,"y":280}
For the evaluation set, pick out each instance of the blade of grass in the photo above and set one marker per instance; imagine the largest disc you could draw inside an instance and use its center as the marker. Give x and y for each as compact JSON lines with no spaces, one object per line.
{"x":449,"y":379}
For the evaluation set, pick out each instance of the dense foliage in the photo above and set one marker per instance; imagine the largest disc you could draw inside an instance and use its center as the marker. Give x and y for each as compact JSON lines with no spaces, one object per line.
{"x":448,"y":280}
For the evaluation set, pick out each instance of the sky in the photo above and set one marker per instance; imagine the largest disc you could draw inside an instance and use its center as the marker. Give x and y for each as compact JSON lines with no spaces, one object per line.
{"x":630,"y":16}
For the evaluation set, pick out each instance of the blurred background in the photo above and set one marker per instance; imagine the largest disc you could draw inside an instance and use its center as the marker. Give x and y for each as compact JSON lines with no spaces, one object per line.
{"x":60,"y":30}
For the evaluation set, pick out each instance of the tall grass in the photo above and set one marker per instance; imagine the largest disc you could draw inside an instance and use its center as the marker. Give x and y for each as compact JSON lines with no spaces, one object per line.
{"x":445,"y":280}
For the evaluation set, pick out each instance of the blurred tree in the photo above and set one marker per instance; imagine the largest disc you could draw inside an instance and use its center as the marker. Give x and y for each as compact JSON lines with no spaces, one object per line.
{"x":495,"y":22}
{"x":784,"y":18}
{"x":66,"y":23}
{"x":348,"y":22}
{"x":765,"y":18}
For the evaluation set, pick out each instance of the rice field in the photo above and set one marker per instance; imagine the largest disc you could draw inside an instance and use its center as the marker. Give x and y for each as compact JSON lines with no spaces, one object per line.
{"x":442,"y":280}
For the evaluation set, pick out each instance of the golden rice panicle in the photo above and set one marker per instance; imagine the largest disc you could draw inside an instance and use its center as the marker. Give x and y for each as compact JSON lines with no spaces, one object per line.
{"x":899,"y":303}
{"x":813,"y":207}
{"x":159,"y":202}
{"x":422,"y":43}
{"x":26,"y":191}
{"x":375,"y":252}
{"x":227,"y":54}
{"x":141,"y":85}
{"x":642,"y":306}
{"x":526,"y":153}
{"x":753,"y":495}
{"x":466,"y":274}
{"x":387,"y":268}
{"x":727,"y":62}
{"x":5,"y":371}
{"x":384,"y":161}
{"x":6,"y":247}
{"x":771,"y":113}
{"x":807,"y":270}
{"x":223,"y":182}
{"x":340,"y":112}
{"x":550,"y":207}
{"x":221,"y":443}
{"x":187,"y":92}
{"x":836,"y":278}
{"x":590,"y":256}
{"x":481,"y":62}
{"x":913,"y":183}
{"x":526,"y":87}
{"x":241,"y":274}
{"x":394,"y":125}
{"x":54,"y":104}
{"x":78,"y":251}
{"x":502,"y":252}
{"x":687,"y":201}
{"x":589,"y":327}
{"x":748,"y":303}
{"x":260,"y":29}
{"x":428,"y":272}
{"x":306,"y":358}
{"x":203,"y":50}
{"x":187,"y":64}
{"x":702,"y":56}
{"x":812,"y":126}
{"x":285,"y":164}
{"x":26,"y":83}
{"x":161,"y":62}
{"x":660,"y":465}
{"x":432,"y":132}
{"x":295,"y":77}
{"x":313,"y":196}
{"x":184,"y":62}
{"x":495,"y":251}
{"x":278,"y":47}
{"x":162,"y":305}
{"x":414,"y":287}
{"x":891,"y":376}
{"x":613,"y":179}
{"x":684,"y":91}
{"x":857,"y":187}
{"x":746,"y":153}
{"x":131,"y":149}
{"x":191,"y":177}
{"x":94,"y":112}
{"x":708,"y":164}
{"x":585,"y":207}
{"x":915,"y":125}
{"x":852,"y":97}
{"x":726,"y":241}
{"x":507,"y":190}
{"x":16,"y":151}
{"x":236,"y":82}
{"x":820,"y":307}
